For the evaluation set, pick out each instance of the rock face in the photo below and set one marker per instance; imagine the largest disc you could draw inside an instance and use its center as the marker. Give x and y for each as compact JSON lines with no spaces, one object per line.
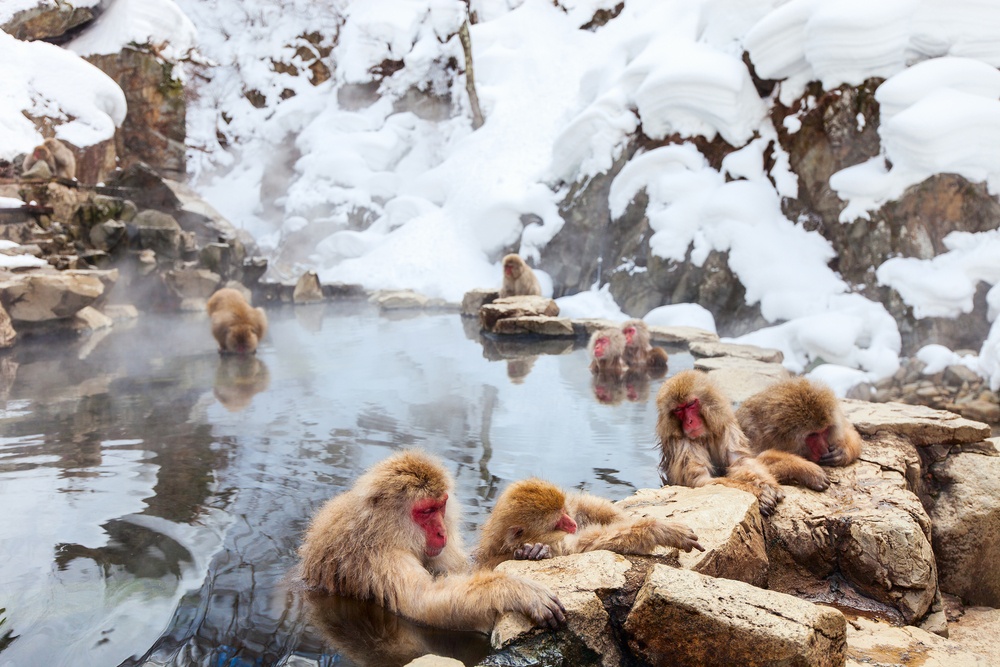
{"x":872,"y":643}
{"x":46,"y":20}
{"x":7,"y":333}
{"x":682,"y":618}
{"x":42,"y":295}
{"x":515,"y":307}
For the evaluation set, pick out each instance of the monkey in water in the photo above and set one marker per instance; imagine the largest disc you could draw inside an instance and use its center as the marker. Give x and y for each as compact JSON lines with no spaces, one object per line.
{"x":518,"y":278}
{"x":640,"y":355}
{"x":535,"y":519}
{"x":702,"y":443}
{"x":607,"y":350}
{"x":237,"y":326}
{"x":389,"y":539}
{"x":55,"y":154}
{"x":800,"y":418}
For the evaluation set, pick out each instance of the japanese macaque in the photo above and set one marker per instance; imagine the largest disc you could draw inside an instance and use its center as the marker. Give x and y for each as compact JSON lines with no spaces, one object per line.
{"x":608,"y":390}
{"x":238,"y":379}
{"x":518,"y":278}
{"x":800,"y":417}
{"x":236,"y":326}
{"x":535,"y":519}
{"x":606,"y":349}
{"x":701,"y":442}
{"x":639,"y":353}
{"x":56,"y":155}
{"x":389,"y":539}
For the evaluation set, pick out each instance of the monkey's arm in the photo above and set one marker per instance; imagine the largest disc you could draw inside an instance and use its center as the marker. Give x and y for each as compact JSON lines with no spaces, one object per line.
{"x":638,"y":536}
{"x":845,"y":449}
{"x":792,"y":468}
{"x":587,"y":509}
{"x":470,"y":601}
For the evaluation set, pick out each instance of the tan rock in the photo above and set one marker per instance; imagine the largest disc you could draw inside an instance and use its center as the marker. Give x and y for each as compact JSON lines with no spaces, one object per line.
{"x":308,"y":289}
{"x":702,"y":348}
{"x":681,"y":335}
{"x":740,"y":378}
{"x":435,"y":661}
{"x":535,"y":324}
{"x":589,"y":325}
{"x":864,"y":543}
{"x":684,"y":618}
{"x":978,"y":631}
{"x":90,"y":319}
{"x":399,"y":299}
{"x":727,"y":522}
{"x":192,"y":283}
{"x":475,"y":299}
{"x":516,"y":306}
{"x":43,"y":295}
{"x":874,"y":643}
{"x":966,"y":518}
{"x":575,"y":579}
{"x":120,"y":312}
{"x":920,"y":425}
{"x":8,"y":336}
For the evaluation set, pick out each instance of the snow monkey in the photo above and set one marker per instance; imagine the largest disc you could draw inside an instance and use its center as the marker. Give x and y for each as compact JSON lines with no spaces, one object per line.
{"x":639,"y":353}
{"x":799,"y":417}
{"x":236,"y":326}
{"x":518,"y":278}
{"x":56,"y":155}
{"x":701,"y":442}
{"x":535,"y":519}
{"x":389,"y":539}
{"x":606,"y":349}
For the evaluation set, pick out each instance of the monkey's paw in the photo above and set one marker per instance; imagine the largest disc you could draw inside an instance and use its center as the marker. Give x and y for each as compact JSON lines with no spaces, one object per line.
{"x":769,"y":498}
{"x":680,"y":536}
{"x":836,"y":456}
{"x":814,"y":477}
{"x":536,"y":551}
{"x":541,"y":605}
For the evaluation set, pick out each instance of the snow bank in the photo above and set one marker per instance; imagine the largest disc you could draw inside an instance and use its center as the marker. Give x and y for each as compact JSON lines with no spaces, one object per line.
{"x":45,"y":81}
{"x":160,"y":23}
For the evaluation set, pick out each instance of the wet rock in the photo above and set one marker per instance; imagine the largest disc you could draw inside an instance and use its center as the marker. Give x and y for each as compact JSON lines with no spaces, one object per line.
{"x":870,"y":642}
{"x":399,"y":300}
{"x":516,"y":306}
{"x":158,"y":232}
{"x":727,"y":522}
{"x":308,"y":289}
{"x":752,"y":352}
{"x":586,"y":327}
{"x":147,"y":261}
{"x":474,"y":299}
{"x":533,"y":324}
{"x":685,"y":618}
{"x":919,"y":424}
{"x":966,"y":516}
{"x":8,"y":336}
{"x":89,"y":319}
{"x":864,"y":543}
{"x":107,"y":235}
{"x":576,"y":580}
{"x":978,"y":631}
{"x":43,"y":294}
{"x":193,"y":283}
{"x":120,"y":312}
{"x":741,"y":378}
{"x":681,"y":335}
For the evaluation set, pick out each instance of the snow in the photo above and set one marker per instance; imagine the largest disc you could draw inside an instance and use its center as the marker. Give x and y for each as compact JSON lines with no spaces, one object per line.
{"x":380,"y":186}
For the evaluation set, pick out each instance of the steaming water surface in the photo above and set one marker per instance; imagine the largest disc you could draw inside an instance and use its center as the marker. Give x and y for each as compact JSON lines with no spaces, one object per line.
{"x":153,"y":493}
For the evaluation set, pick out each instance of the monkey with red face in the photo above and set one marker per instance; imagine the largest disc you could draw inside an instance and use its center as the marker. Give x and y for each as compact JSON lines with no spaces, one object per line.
{"x":56,"y":155}
{"x":518,"y":278}
{"x":640,"y":355}
{"x":606,"y":349}
{"x":392,"y":540}
{"x":535,"y":519}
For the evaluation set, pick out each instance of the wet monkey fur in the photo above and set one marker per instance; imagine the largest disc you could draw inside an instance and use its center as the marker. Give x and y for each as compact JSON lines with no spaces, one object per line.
{"x":236,"y":326}
{"x":535,"y":519}
{"x":518,"y":278}
{"x":606,"y":350}
{"x":640,"y":354}
{"x":389,"y":539}
{"x":701,"y":442}
{"x":799,"y":418}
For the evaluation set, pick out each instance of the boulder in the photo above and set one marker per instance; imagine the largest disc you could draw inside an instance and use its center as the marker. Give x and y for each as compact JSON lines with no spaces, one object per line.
{"x":535,"y":324}
{"x":740,"y":378}
{"x":158,"y":232}
{"x":978,"y":631}
{"x":90,"y":319}
{"x":308,"y":289}
{"x":681,"y":335}
{"x":704,"y":348}
{"x":516,"y":306}
{"x":871,"y":642}
{"x":192,"y":283}
{"x":399,"y":300}
{"x":474,"y":299}
{"x":920,"y":425}
{"x":43,"y":295}
{"x":7,"y":334}
{"x":684,"y":618}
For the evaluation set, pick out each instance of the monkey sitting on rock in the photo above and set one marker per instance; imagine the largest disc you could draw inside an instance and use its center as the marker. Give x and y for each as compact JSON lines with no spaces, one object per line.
{"x":50,"y":158}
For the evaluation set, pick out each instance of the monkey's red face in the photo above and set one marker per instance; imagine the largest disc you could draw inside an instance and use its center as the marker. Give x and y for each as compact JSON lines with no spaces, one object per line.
{"x":689,"y":416}
{"x":818,"y":444}
{"x":429,"y":515}
{"x":508,"y":270}
{"x":629,"y":334}
{"x":601,"y":347}
{"x":566,"y":523}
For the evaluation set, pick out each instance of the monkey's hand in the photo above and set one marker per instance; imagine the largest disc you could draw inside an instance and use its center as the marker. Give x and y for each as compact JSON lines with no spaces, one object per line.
{"x":539,"y":604}
{"x":536,"y":551}
{"x":813,"y":476}
{"x":769,"y":497}
{"x":835,"y":456}
{"x":675,"y":534}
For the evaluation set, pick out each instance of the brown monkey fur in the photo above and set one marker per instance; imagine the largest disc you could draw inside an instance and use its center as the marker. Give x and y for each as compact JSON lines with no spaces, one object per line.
{"x":518,"y":278}
{"x":783,"y":420}
{"x":529,"y":514}
{"x":721,"y":455}
{"x":640,"y":353}
{"x":56,"y":155}
{"x":365,"y":543}
{"x":612,"y":362}
{"x":236,"y":326}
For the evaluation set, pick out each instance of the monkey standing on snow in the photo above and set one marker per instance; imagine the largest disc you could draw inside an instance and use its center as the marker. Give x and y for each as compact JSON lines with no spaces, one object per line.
{"x":54,"y":153}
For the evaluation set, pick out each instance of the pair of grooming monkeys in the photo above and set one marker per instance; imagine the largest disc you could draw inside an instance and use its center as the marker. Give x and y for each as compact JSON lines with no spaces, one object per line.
{"x":391,"y":539}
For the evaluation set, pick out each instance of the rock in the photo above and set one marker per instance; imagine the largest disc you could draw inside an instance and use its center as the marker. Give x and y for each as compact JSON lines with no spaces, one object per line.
{"x":42,"y":295}
{"x":978,"y":631}
{"x":685,"y":618}
{"x":576,"y":580}
{"x":727,"y":522}
{"x":474,"y":299}
{"x":193,"y":304}
{"x":120,"y":312}
{"x":702,"y":348}
{"x":981,"y":410}
{"x":741,"y":378}
{"x":8,"y":336}
{"x":90,"y":319}
{"x":435,"y":661}
{"x":966,"y":519}
{"x":864,"y":543}
{"x":516,"y":306}
{"x":921,"y":425}
{"x":586,"y":327}
{"x":107,"y":235}
{"x":399,"y":300}
{"x":308,"y":289}
{"x":681,"y":335}
{"x":158,"y":232}
{"x":147,"y":261}
{"x":192,"y":283}
{"x":873,"y":643}
{"x":534,"y":324}
{"x":45,"y":20}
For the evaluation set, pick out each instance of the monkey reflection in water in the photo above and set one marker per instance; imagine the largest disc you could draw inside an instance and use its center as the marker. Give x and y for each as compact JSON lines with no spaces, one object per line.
{"x":238,"y":379}
{"x":369,"y":635}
